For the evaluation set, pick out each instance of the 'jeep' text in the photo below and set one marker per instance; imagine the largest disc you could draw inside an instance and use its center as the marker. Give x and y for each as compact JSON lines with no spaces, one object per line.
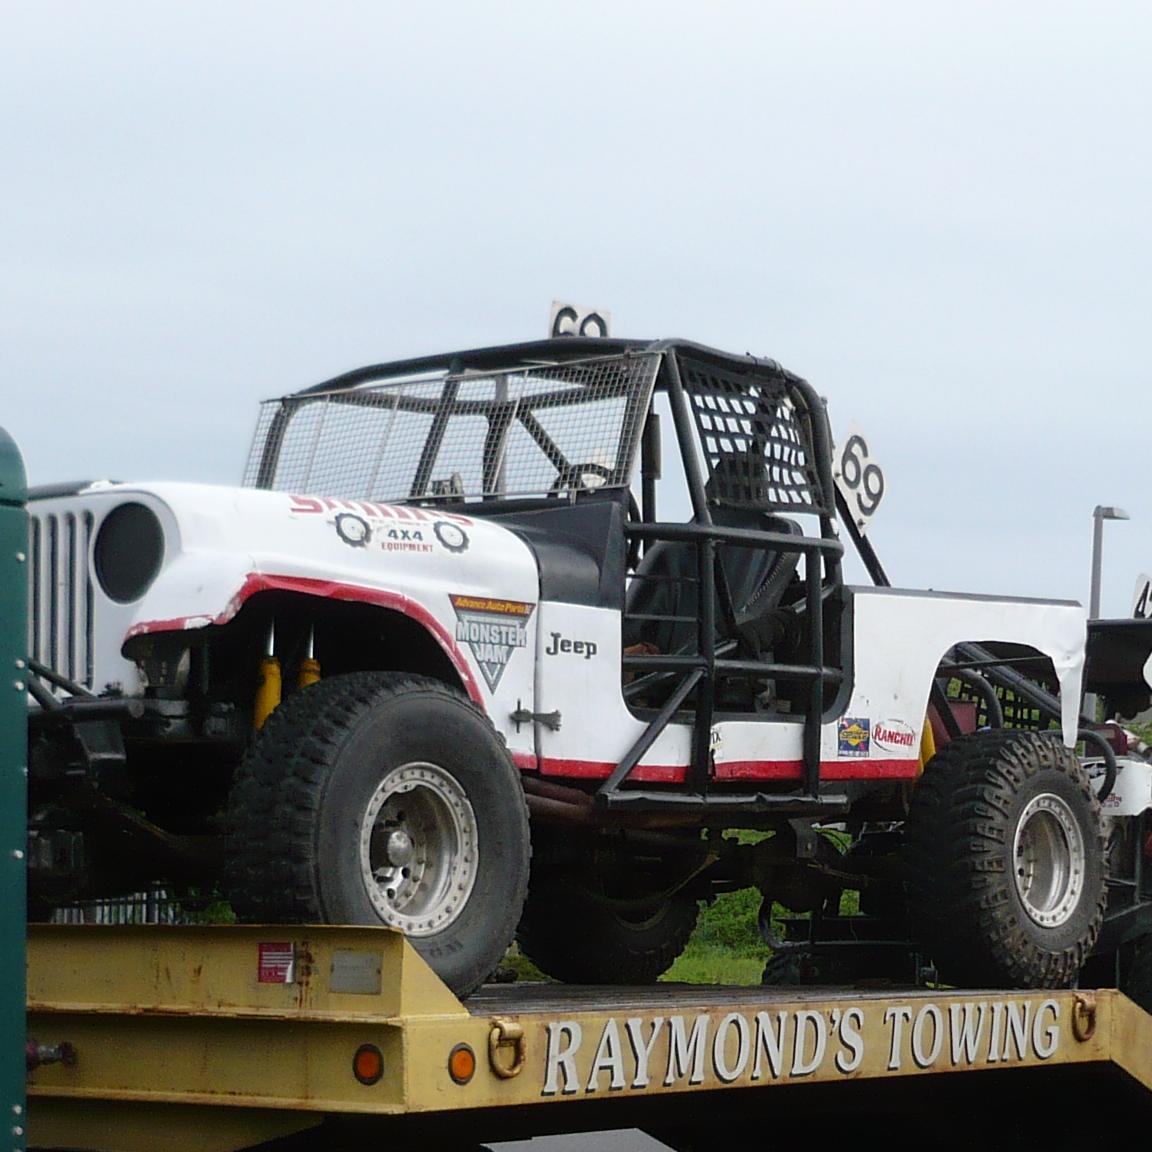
{"x":558,"y":645}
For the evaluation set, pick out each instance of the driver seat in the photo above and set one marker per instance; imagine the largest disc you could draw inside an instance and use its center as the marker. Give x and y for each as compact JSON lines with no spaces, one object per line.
{"x":663,"y":600}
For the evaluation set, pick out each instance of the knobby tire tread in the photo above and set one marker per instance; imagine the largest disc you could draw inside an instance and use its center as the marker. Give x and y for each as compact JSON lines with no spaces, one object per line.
{"x":959,"y":881}
{"x":277,"y":789}
{"x":271,"y":865}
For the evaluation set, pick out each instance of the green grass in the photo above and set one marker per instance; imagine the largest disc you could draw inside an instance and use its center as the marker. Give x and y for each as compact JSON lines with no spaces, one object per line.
{"x":710,"y":964}
{"x":731,"y":922}
{"x":725,"y":948}
{"x":523,"y":968}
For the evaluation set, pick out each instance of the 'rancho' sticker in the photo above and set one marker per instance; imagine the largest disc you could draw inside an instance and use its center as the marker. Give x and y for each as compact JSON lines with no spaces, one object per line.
{"x":493,"y":629}
{"x":854,"y":734}
{"x":894,"y":736}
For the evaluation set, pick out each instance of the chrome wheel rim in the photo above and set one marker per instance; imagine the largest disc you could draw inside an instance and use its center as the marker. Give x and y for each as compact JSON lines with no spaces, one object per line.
{"x":418,"y":849}
{"x":1048,"y":860}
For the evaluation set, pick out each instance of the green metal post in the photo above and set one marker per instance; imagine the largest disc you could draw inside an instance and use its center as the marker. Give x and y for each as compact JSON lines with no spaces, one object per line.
{"x":13,"y":790}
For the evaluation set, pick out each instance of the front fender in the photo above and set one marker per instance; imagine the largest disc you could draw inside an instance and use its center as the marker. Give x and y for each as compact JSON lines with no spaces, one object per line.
{"x":472,"y":585}
{"x":254,"y":583}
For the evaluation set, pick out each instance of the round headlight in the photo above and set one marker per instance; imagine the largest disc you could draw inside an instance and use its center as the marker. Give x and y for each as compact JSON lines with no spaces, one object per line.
{"x":128,"y":552}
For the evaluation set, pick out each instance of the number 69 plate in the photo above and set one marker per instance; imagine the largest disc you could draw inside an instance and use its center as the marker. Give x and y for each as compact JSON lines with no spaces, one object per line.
{"x":859,"y":478}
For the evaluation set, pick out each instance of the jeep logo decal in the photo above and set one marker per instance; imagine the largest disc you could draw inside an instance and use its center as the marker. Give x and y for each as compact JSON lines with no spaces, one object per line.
{"x":558,"y":644}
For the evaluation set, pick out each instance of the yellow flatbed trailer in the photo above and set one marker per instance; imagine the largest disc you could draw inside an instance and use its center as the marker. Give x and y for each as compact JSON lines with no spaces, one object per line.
{"x":208,"y":1039}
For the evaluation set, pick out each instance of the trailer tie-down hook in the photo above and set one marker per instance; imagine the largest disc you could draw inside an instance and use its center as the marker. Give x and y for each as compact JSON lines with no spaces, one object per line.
{"x":506,"y":1034}
{"x":1083,"y":1016}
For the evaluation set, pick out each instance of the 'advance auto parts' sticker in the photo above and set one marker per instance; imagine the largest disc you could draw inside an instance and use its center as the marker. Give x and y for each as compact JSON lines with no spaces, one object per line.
{"x":854,"y":734}
{"x":493,"y":629}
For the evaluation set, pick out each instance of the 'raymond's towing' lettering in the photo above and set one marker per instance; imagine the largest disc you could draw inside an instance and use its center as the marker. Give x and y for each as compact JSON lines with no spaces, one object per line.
{"x":679,"y":1051}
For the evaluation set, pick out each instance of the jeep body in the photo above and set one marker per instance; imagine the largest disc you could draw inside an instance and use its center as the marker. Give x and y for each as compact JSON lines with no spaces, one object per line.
{"x":489,"y":521}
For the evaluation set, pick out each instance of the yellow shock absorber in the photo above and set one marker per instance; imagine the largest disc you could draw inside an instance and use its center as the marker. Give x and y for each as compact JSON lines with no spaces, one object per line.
{"x":268,"y":685}
{"x":309,"y":670}
{"x":927,"y":744}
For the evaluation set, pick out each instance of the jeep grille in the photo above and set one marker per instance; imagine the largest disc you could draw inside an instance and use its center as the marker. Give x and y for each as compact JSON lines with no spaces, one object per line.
{"x":60,"y":596}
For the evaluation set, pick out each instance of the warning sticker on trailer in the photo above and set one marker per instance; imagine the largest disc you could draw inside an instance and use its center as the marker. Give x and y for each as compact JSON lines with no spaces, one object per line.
{"x":277,"y":963}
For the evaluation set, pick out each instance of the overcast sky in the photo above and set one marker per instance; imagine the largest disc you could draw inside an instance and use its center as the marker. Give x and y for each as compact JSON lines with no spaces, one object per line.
{"x":940,"y":214}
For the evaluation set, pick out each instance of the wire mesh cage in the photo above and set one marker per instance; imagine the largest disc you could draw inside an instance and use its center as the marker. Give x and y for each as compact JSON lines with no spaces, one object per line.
{"x":1015,"y":711}
{"x":756,"y":440}
{"x":523,"y":432}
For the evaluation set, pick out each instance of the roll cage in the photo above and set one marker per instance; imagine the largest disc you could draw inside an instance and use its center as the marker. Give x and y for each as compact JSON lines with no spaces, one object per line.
{"x":753,"y":438}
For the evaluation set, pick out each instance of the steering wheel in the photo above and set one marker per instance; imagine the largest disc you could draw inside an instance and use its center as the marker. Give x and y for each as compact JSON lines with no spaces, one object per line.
{"x":574,"y":477}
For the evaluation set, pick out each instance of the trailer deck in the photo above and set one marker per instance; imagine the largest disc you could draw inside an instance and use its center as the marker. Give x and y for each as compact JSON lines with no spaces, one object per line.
{"x":221,"y":1038}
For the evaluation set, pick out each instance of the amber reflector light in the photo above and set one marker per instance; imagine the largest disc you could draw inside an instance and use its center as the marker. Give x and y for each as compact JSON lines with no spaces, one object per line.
{"x":461,"y":1063}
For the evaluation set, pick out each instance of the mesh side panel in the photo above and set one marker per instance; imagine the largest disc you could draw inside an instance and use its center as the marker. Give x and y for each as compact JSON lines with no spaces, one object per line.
{"x":518,"y":433}
{"x":1017,"y":713}
{"x":756,"y":441}
{"x":264,"y":423}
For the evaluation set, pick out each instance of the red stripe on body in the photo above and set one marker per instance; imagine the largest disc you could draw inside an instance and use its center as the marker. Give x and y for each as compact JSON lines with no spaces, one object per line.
{"x":863,"y":769}
{"x":737,"y":770}
{"x":328,"y":590}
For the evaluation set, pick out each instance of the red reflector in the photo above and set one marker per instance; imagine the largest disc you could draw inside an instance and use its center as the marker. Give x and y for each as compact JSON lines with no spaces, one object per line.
{"x":368,"y":1064}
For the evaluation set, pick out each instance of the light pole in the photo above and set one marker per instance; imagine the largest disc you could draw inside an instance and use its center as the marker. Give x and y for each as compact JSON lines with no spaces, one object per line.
{"x":1100,"y":513}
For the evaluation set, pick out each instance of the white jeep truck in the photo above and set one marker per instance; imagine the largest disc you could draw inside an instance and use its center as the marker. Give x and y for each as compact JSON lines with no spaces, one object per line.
{"x":443,"y":630}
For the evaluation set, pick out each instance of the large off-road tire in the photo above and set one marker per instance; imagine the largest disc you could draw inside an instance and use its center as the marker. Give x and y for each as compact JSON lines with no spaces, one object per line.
{"x":581,"y":936}
{"x":383,"y":798}
{"x":1006,"y":861}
